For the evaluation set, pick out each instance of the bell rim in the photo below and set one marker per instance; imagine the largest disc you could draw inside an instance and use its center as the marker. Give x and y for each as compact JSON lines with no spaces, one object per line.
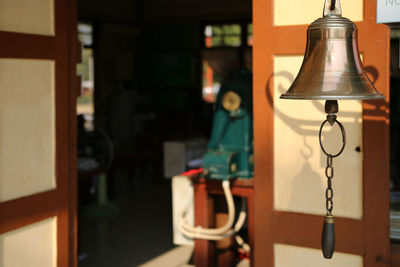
{"x":333,"y":97}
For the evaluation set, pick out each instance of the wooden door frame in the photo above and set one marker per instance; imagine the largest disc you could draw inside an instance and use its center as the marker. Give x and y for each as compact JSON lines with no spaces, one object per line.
{"x":75,"y":56}
{"x":368,"y":237}
{"x":61,"y":201}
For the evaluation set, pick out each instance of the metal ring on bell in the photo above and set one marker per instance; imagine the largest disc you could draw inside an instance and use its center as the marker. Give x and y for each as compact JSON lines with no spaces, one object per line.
{"x":343,"y":139}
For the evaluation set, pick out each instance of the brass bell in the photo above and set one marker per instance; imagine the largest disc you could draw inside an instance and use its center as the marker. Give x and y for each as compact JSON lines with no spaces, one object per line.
{"x":332,"y":68}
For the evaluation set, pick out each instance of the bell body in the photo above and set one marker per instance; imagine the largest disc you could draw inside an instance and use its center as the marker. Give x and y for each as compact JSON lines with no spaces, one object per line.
{"x":332,"y":68}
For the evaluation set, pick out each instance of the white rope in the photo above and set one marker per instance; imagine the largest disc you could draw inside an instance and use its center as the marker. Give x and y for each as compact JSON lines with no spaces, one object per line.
{"x":222,"y":232}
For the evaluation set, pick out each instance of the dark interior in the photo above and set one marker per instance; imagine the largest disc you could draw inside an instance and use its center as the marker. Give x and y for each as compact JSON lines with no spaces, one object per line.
{"x":146,"y":64}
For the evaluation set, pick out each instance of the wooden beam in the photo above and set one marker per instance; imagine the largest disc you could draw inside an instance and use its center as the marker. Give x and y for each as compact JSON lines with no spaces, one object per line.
{"x":305,"y":230}
{"x":18,"y":45}
{"x":27,"y":210}
{"x":376,"y":139}
{"x":204,"y":250}
{"x":263,"y":114}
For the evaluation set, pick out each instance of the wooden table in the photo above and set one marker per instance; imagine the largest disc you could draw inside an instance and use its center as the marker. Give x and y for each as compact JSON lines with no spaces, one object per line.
{"x":205,"y":191}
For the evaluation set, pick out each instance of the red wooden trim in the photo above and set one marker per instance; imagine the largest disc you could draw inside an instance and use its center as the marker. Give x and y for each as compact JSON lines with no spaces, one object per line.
{"x":65,"y":44}
{"x":60,"y":202}
{"x":239,"y":187}
{"x":250,"y":225}
{"x":263,"y":251}
{"x":289,"y":40}
{"x":305,"y":230}
{"x":376,"y":189}
{"x":239,"y":182}
{"x":27,"y":210}
{"x":75,"y":55}
{"x":224,"y":249}
{"x":376,"y":141}
{"x":18,"y":45}
{"x":236,"y":191}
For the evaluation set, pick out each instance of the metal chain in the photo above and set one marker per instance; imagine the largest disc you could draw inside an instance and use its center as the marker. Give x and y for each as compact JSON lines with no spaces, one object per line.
{"x":329,"y":172}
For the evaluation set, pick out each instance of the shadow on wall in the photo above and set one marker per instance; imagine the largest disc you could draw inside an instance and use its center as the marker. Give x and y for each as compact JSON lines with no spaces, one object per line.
{"x":299,"y":165}
{"x":301,"y":126}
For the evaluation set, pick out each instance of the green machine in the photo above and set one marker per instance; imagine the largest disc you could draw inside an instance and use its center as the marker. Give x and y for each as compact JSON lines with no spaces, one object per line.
{"x":230,"y":150}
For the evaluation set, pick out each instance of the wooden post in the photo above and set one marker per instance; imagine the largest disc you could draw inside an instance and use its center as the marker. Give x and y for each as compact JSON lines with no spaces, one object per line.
{"x":225,"y":248}
{"x":204,"y":250}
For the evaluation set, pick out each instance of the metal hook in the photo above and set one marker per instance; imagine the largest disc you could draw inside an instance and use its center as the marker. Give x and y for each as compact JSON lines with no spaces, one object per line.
{"x":332,"y":8}
{"x":333,"y":5}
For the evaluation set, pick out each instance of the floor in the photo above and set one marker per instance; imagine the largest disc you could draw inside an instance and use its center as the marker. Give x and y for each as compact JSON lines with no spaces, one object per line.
{"x":136,"y":230}
{"x":176,"y":257}
{"x":179,"y":257}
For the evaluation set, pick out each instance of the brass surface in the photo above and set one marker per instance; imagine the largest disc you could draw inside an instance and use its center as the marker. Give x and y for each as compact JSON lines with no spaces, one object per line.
{"x":329,"y":219}
{"x":332,"y":68}
{"x":231,"y":101}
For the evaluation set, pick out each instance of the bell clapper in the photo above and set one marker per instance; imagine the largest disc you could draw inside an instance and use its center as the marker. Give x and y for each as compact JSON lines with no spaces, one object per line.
{"x":328,"y":237}
{"x":328,"y":231}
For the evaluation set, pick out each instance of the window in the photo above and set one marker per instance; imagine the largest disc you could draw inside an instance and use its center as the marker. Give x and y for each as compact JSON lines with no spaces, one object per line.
{"x":223,"y":35}
{"x":250,"y":34}
{"x":85,"y":104}
{"x":227,"y":47}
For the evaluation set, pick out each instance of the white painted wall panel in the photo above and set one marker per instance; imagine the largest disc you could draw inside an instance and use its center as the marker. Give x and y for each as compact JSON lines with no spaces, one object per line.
{"x":34,"y":245}
{"x":295,"y":12}
{"x":292,"y":256}
{"x":27,"y":16}
{"x":27,"y":123}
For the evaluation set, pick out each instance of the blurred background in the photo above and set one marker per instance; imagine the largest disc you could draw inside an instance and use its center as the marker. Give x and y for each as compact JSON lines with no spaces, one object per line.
{"x":151,"y":71}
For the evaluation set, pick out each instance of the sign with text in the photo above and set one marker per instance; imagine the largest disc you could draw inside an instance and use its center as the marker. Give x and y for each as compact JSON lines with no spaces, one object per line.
{"x":388,"y":11}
